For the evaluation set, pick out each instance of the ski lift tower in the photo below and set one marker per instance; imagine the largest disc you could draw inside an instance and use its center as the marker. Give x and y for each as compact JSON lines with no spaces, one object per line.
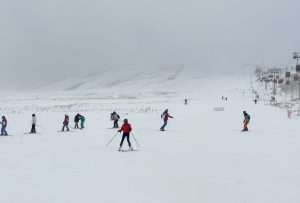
{"x":275,"y":72}
{"x":297,"y":57}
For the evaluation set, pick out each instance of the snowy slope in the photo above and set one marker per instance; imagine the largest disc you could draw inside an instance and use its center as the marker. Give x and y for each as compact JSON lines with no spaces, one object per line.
{"x":112,"y":80}
{"x":202,"y":157}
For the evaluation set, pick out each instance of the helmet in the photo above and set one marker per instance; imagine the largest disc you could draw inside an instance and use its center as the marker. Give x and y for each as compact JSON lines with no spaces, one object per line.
{"x":125,"y":120}
{"x":244,"y":112}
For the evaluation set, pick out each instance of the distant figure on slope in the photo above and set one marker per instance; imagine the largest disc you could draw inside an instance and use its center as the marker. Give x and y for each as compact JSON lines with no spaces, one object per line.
{"x":255,"y":101}
{"x":4,"y":125}
{"x":126,"y":128}
{"x":246,"y":120}
{"x":66,"y":123}
{"x":185,"y":101}
{"x":289,"y":113}
{"x":76,"y":120}
{"x":82,"y":121}
{"x":165,"y":116}
{"x":115,"y":117}
{"x":33,"y":123}
{"x":222,"y":98}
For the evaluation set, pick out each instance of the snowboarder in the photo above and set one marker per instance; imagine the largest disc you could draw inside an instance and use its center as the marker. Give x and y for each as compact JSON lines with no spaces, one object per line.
{"x":115,"y":117}
{"x":66,"y":123}
{"x":82,"y":121}
{"x":76,"y":120}
{"x":246,"y":120}
{"x":165,"y":116}
{"x":4,"y":125}
{"x":33,"y":122}
{"x":126,"y":128}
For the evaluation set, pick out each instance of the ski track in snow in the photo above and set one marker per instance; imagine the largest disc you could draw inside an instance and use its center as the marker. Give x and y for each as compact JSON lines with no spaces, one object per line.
{"x":201,"y":157}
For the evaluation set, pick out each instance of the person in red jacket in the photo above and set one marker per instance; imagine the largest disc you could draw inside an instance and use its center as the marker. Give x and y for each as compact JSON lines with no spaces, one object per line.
{"x":126,"y":128}
{"x":165,"y":116}
{"x":4,"y":125}
{"x":66,"y":123}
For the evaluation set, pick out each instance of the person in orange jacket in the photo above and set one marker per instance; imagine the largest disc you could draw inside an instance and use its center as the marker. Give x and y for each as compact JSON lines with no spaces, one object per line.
{"x":126,"y":128}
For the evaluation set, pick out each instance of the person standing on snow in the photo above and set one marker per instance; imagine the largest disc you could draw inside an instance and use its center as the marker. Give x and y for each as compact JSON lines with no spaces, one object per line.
{"x":82,"y":121}
{"x":165,"y":116}
{"x":246,"y":120}
{"x":66,"y":123}
{"x":4,"y":125}
{"x":126,"y":128}
{"x":185,"y":101}
{"x":33,"y":122}
{"x":115,"y":117}
{"x":76,"y":121}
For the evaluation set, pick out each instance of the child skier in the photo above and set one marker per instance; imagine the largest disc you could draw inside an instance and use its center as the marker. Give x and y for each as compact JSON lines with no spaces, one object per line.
{"x":82,"y":121}
{"x":76,"y":121}
{"x":126,"y":128}
{"x":165,"y":116}
{"x":33,"y":122}
{"x":4,"y":125}
{"x":246,"y":121}
{"x":66,"y":123}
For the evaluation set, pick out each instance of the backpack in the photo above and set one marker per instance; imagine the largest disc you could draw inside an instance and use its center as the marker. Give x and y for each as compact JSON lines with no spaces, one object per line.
{"x":248,"y":116}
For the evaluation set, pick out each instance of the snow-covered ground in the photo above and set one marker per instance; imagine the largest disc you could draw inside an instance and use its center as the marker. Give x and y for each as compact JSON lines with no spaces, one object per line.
{"x":201,"y":157}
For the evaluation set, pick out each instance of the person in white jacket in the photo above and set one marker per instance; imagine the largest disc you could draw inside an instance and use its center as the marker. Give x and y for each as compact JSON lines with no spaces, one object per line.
{"x":33,"y":122}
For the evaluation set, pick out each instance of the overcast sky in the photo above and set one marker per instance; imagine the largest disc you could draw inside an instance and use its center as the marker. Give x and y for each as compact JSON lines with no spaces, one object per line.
{"x":44,"y":40}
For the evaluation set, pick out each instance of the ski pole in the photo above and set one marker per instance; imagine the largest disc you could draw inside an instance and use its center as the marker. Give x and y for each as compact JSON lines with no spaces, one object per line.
{"x":112,"y":139}
{"x":135,"y":140}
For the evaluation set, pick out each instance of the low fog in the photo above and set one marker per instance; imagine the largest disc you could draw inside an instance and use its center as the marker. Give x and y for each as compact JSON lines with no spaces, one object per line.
{"x":43,"y":41}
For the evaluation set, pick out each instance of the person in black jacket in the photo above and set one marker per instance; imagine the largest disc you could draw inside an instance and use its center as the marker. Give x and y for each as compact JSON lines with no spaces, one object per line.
{"x":246,"y":120}
{"x":76,"y":120}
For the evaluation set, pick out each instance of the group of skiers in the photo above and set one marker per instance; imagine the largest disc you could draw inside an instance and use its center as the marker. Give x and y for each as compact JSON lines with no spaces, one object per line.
{"x":77,"y":118}
{"x":224,"y":98}
{"x":126,"y":127}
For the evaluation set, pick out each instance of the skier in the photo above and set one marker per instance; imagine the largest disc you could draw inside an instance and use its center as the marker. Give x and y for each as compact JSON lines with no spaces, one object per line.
{"x":4,"y":125}
{"x":126,"y":128}
{"x":255,"y":101}
{"x":33,"y":122}
{"x":185,"y":101}
{"x":165,"y":116}
{"x":76,"y":120}
{"x":246,"y":121}
{"x":82,"y":121}
{"x":66,"y":123}
{"x":115,"y":117}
